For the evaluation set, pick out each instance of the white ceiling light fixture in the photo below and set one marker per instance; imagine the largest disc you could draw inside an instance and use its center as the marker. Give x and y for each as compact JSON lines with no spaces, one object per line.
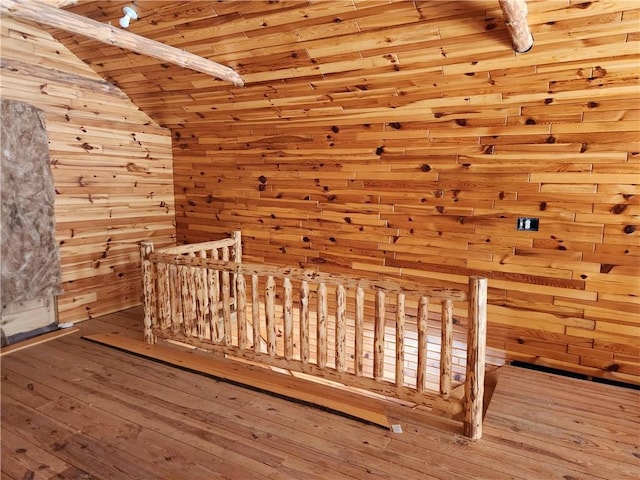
{"x":129,"y":14}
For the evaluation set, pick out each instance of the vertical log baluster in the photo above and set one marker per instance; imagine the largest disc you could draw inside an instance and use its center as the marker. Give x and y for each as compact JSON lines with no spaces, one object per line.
{"x":341,"y":328}
{"x":187,"y":294}
{"x":304,"y":322}
{"x":359,"y":332}
{"x":476,"y":349}
{"x":378,"y":337}
{"x":288,"y":319}
{"x":400,"y":339}
{"x":237,"y":257}
{"x":192,"y":295}
{"x":270,"y":307}
{"x":148,"y":292}
{"x":226,"y":300}
{"x":214,"y":299}
{"x":423,"y":315}
{"x":175,"y":299}
{"x":202,"y":300}
{"x":241,"y":310}
{"x":182,"y":288}
{"x":255,"y":314}
{"x":164,"y":296}
{"x":321,"y":339}
{"x":446,"y":349}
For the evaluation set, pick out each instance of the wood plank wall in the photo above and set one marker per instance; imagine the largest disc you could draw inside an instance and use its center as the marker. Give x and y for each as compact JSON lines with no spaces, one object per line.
{"x":382,"y":137}
{"x":112,"y":168}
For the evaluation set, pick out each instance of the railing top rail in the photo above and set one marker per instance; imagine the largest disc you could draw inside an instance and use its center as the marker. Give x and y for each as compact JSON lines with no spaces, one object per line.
{"x":308,"y":275}
{"x":197,"y":247}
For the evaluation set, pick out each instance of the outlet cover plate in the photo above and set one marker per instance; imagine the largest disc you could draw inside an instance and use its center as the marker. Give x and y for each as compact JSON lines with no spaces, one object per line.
{"x":528,"y":224}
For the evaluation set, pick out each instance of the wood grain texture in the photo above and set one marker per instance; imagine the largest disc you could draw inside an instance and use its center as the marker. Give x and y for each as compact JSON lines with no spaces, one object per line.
{"x":257,"y":377}
{"x":39,"y":12}
{"x":395,"y":137}
{"x":74,"y":409}
{"x":111,"y":165}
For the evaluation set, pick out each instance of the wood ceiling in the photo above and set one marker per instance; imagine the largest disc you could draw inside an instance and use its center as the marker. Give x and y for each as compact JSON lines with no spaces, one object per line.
{"x":314,"y":60}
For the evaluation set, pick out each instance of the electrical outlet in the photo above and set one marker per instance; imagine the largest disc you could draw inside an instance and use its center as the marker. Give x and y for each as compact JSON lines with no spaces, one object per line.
{"x":528,"y":224}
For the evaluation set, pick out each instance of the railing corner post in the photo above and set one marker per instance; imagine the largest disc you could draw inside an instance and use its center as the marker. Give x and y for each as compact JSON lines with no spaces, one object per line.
{"x":476,"y":349}
{"x":237,"y":246}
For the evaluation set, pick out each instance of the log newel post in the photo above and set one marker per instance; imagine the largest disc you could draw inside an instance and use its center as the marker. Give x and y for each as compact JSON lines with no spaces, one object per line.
{"x":148,"y":291}
{"x":476,"y":349}
{"x":237,"y":245}
{"x":515,"y":18}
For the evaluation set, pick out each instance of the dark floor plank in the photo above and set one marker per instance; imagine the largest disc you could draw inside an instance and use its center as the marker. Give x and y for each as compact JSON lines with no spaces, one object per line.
{"x":91,"y":455}
{"x":32,"y":460}
{"x":73,"y":473}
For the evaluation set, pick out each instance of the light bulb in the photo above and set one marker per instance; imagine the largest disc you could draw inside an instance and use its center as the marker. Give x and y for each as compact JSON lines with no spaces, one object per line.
{"x":129,"y":14}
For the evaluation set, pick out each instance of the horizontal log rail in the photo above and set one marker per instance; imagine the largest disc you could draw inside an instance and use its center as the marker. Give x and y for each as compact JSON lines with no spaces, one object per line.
{"x":368,"y":334}
{"x":198,"y":247}
{"x":306,"y":274}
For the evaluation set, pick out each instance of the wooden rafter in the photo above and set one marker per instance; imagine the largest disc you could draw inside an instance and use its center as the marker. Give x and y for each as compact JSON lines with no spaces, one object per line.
{"x":39,"y":12}
{"x":515,"y":17}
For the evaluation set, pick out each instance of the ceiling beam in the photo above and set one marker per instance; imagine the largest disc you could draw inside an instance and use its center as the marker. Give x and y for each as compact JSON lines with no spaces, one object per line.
{"x":515,"y":18}
{"x":36,"y":11}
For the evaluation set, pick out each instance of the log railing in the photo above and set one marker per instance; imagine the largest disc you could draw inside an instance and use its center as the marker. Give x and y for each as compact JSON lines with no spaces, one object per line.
{"x":368,"y":334}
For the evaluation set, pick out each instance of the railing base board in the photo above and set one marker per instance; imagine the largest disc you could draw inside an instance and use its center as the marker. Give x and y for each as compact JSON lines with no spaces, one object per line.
{"x":343,"y":402}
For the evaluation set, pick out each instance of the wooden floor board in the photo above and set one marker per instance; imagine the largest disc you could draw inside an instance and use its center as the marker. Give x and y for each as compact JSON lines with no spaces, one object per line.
{"x":594,"y":456}
{"x":594,"y":426}
{"x":94,"y":456}
{"x":170,"y":401}
{"x":347,"y":402}
{"x":24,"y":457}
{"x":86,"y":411}
{"x":107,"y":401}
{"x":167,"y":402}
{"x":591,"y":393}
{"x":496,"y":462}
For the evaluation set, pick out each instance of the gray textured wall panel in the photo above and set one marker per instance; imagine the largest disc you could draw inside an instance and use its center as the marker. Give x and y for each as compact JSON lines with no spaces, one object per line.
{"x":30,"y":257}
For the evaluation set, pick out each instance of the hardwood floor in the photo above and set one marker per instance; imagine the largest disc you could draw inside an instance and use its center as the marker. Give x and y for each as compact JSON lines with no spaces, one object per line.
{"x":72,"y":409}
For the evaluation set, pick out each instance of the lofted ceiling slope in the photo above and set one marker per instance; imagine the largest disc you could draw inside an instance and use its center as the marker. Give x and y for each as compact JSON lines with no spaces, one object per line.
{"x":350,"y":61}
